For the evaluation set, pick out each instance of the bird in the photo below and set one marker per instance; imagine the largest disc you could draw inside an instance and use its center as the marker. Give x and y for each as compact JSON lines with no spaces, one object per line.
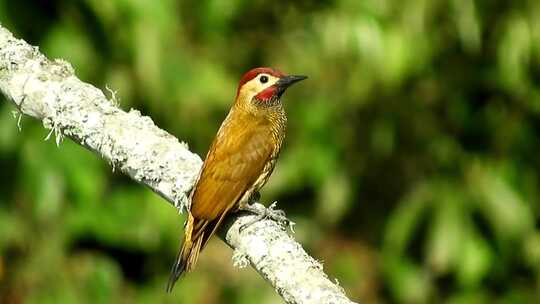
{"x":239,"y":161}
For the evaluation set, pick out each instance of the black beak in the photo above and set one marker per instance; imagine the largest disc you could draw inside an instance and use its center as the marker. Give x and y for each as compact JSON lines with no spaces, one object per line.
{"x":286,"y":81}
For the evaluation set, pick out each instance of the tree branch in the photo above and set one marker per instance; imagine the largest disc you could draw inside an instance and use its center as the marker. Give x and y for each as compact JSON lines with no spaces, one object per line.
{"x":49,"y":91}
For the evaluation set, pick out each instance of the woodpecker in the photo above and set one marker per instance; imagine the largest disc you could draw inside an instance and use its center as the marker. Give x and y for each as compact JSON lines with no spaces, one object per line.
{"x":239,"y":162}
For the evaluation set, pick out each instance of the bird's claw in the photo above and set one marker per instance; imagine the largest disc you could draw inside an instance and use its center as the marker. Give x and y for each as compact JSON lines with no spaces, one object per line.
{"x":276,"y":215}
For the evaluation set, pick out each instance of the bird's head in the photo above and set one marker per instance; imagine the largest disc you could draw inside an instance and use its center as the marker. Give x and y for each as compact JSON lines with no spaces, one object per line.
{"x":263,"y":87}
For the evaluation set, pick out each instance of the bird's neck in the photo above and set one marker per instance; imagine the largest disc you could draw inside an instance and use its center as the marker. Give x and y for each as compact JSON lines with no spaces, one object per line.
{"x":274,"y":116}
{"x":275,"y":112}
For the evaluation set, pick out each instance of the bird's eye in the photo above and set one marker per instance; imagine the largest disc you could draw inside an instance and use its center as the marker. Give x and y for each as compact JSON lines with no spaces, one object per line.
{"x":263,"y":79}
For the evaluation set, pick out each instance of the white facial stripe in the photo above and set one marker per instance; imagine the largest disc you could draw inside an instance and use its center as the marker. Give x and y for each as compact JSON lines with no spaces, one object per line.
{"x":255,"y":86}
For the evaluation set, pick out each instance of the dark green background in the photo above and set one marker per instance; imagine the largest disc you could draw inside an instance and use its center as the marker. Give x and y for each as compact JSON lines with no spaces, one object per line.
{"x":411,"y":164}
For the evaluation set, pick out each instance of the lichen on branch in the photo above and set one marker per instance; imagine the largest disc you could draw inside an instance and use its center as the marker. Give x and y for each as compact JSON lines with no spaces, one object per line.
{"x":48,"y":90}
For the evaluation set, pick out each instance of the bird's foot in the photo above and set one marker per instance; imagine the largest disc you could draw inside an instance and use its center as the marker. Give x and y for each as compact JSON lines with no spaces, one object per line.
{"x":261,"y":213}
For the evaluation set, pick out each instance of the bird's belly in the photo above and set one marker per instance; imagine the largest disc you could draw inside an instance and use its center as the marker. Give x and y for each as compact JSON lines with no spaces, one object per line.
{"x":259,"y":182}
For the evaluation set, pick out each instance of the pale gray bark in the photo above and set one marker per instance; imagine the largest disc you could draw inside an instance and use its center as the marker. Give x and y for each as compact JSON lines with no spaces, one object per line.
{"x":49,"y":91}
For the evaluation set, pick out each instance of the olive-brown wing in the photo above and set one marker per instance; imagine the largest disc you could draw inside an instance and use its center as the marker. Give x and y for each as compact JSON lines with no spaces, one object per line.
{"x":231,"y":167}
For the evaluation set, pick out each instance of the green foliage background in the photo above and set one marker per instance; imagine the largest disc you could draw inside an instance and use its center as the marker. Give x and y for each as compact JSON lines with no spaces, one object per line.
{"x":411,"y":164}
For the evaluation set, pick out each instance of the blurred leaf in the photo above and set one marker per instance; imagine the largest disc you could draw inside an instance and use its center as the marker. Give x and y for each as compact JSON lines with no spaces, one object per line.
{"x":508,"y":214}
{"x":408,"y":283}
{"x":447,"y":231}
{"x":475,"y":262}
{"x":405,"y":220}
